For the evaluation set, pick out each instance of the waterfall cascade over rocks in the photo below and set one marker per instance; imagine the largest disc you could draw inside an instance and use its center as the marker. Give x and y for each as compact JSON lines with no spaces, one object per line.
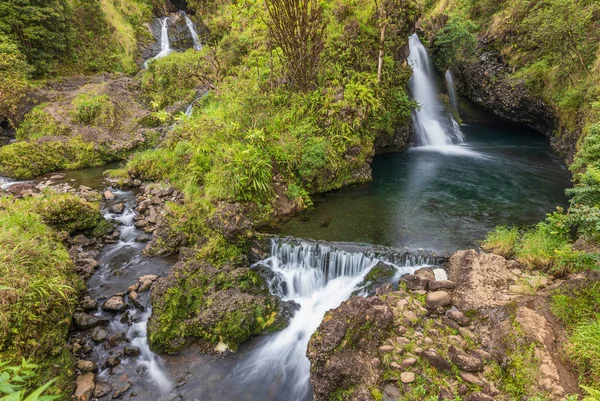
{"x":451,"y":90}
{"x":193,"y":33}
{"x":165,"y":45}
{"x":433,"y":125}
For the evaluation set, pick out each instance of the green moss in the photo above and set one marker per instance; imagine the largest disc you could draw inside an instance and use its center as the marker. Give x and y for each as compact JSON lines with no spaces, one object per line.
{"x":68,"y":213}
{"x":95,"y":110}
{"x":39,"y":290}
{"x":38,"y":124}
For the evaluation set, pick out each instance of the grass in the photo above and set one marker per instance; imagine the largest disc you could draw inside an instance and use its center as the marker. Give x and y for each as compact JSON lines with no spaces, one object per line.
{"x":38,"y":124}
{"x":96,"y":110}
{"x":38,"y":285}
{"x":502,"y":241}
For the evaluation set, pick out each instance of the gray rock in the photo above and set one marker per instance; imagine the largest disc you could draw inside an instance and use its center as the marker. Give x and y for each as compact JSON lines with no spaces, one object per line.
{"x":117,"y":339}
{"x":471,"y":378}
{"x":466,"y":362}
{"x":87,"y":366}
{"x":441,"y":285}
{"x":117,"y":208}
{"x":438,"y":299}
{"x":143,"y":238}
{"x":478,"y":397}
{"x":116,"y":303}
{"x":108,"y":195}
{"x":426,"y":273}
{"x":88,"y":304}
{"x":102,"y":388}
{"x":112,"y":361}
{"x":390,"y":393}
{"x":458,"y":317}
{"x":84,"y":321}
{"x":131,"y":351}
{"x":414,"y":282}
{"x":99,"y":334}
{"x":436,"y":360}
{"x":122,"y":390}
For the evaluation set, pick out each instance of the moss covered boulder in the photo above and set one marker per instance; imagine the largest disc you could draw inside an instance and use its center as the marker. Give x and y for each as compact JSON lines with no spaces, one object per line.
{"x":198,"y":301}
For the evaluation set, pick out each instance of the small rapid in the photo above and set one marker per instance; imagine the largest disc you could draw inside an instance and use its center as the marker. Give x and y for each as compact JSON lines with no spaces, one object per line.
{"x":316,"y":277}
{"x":433,"y":125}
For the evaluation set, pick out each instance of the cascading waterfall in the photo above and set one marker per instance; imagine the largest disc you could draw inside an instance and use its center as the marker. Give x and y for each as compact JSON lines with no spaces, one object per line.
{"x":317,"y":277}
{"x":192,"y":28}
{"x":433,"y":126}
{"x":451,"y":90}
{"x":165,"y":46}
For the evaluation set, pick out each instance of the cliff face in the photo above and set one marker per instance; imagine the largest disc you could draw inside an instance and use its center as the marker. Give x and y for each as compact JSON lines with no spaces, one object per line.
{"x":487,"y":82}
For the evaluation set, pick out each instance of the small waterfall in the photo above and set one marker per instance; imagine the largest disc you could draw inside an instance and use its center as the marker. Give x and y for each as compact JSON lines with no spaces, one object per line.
{"x":433,"y":126}
{"x":451,"y":90}
{"x":192,"y":28}
{"x":318,"y":277}
{"x":165,"y":46}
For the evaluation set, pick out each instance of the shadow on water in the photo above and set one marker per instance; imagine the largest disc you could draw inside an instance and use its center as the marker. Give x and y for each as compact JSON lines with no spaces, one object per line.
{"x":443,"y":198}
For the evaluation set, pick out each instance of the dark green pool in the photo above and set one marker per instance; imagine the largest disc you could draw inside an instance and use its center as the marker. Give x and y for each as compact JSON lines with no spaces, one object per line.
{"x":443,"y":198}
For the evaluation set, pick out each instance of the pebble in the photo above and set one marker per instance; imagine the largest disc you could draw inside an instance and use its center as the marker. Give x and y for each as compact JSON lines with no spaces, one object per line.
{"x":407,"y":377}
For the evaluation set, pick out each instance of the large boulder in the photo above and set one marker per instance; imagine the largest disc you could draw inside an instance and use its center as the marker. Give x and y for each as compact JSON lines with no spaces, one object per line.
{"x":344,"y":350}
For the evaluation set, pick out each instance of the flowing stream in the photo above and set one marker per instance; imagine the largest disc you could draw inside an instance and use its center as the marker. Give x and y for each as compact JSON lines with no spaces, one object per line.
{"x":451,"y":90}
{"x":193,"y":33}
{"x":165,"y":46}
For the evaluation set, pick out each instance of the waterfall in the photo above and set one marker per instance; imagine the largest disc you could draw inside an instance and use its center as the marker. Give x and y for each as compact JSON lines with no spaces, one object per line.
{"x":165,"y":46}
{"x":433,"y":126}
{"x":318,"y":277}
{"x":451,"y":90}
{"x":192,"y":28}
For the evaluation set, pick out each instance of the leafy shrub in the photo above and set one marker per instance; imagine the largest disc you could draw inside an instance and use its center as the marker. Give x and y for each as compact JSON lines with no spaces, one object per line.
{"x":455,"y":42}
{"x":13,"y":379}
{"x":38,"y":124}
{"x":14,"y":77}
{"x":96,"y":110}
{"x":68,"y":213}
{"x":313,"y":158}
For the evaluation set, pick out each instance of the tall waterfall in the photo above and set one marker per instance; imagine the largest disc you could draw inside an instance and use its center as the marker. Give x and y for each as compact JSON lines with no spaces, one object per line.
{"x":192,"y":28}
{"x":451,"y":90}
{"x":165,"y":46}
{"x":433,"y":126}
{"x":318,"y":277}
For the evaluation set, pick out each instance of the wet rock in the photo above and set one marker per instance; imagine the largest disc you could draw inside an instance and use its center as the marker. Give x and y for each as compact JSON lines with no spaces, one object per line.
{"x":122,"y":390}
{"x":436,"y":360}
{"x":99,"y":334}
{"x":125,"y":318}
{"x":131,"y":351}
{"x":133,"y":287}
{"x":134,"y":297}
{"x":347,"y":340}
{"x":84,"y":321}
{"x":441,"y":285}
{"x":108,"y":195}
{"x":458,"y":317}
{"x":85,"y":385}
{"x":426,"y":273}
{"x":88,"y":304}
{"x":87,"y":366}
{"x":141,"y":223}
{"x":116,"y":303}
{"x":407,"y":377}
{"x":102,"y":388}
{"x":116,"y":339}
{"x":112,"y":361}
{"x":466,"y":362}
{"x":143,"y":238}
{"x":117,"y":208}
{"x":414,"y":282}
{"x":438,"y":299}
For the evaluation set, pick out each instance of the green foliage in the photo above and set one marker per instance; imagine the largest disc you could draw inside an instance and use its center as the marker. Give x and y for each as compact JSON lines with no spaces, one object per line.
{"x":25,"y":160}
{"x":13,"y":379}
{"x":502,"y":241}
{"x":38,"y":124}
{"x":96,"y":110}
{"x":68,"y":213}
{"x":584,"y":349}
{"x":592,"y":394}
{"x":40,"y":292}
{"x":455,"y":42}
{"x":14,"y":77}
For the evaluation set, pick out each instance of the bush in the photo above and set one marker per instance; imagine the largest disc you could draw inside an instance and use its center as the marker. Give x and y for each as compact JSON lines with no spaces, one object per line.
{"x":68,"y":213}
{"x":14,"y":381}
{"x":96,"y":110}
{"x":38,"y":124}
{"x":502,"y":241}
{"x":455,"y":42}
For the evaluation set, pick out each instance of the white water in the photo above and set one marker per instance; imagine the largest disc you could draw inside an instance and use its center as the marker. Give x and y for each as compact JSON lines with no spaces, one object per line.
{"x":433,"y":126}
{"x":451,"y":90}
{"x":192,"y":28}
{"x":318,"y":278}
{"x":165,"y":46}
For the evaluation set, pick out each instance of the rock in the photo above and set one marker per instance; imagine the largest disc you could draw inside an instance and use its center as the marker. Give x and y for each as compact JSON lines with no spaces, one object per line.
{"x":57,"y":177}
{"x":87,"y":366}
{"x":438,"y":299}
{"x":407,"y":377}
{"x":436,"y":360}
{"x":395,"y":366}
{"x":116,"y":303}
{"x":466,"y":362}
{"x":102,"y":388}
{"x":117,"y":208}
{"x":108,"y":195}
{"x":414,"y":282}
{"x":408,"y":362}
{"x":125,"y":318}
{"x":134,"y":297}
{"x":458,"y":317}
{"x":116,"y":339}
{"x":83,"y":188}
{"x":347,"y":337}
{"x":426,"y":273}
{"x":112,"y":361}
{"x":122,"y":390}
{"x":133,"y":287}
{"x":88,"y":304}
{"x":441,"y":285}
{"x":85,"y":385}
{"x":20,"y":188}
{"x":99,"y":334}
{"x":131,"y":351}
{"x":391,"y":393}
{"x":471,"y":378}
{"x":143,"y":238}
{"x":146,"y":282}
{"x":84,"y":321}
{"x":410,"y":316}
{"x":386,"y":348}
{"x":141,"y":223}
{"x":478,"y":397}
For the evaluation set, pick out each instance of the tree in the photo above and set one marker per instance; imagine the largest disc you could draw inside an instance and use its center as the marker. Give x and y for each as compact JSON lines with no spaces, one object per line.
{"x":455,"y":42}
{"x":297,"y":27}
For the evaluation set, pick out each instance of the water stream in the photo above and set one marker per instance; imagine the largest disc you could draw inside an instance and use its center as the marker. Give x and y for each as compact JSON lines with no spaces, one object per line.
{"x":193,"y":33}
{"x":450,"y":88}
{"x":165,"y":46}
